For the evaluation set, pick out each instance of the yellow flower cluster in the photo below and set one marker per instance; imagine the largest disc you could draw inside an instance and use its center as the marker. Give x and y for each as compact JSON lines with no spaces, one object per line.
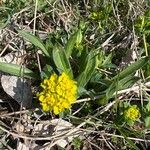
{"x":59,"y":92}
{"x":132,"y":113}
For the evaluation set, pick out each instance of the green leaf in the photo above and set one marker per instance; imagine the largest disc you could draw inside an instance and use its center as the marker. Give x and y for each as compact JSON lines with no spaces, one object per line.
{"x":4,"y":24}
{"x":81,"y":80}
{"x":120,"y":85}
{"x":17,"y":70}
{"x":88,"y":71}
{"x":35,"y":41}
{"x":146,"y":31}
{"x":107,"y":60}
{"x":130,"y":122}
{"x":82,"y":91}
{"x":4,"y":21}
{"x":61,"y":60}
{"x":77,"y":142}
{"x":46,"y":72}
{"x":132,"y":68}
{"x":130,"y":142}
{"x":79,"y":37}
{"x":147,"y":122}
{"x":148,"y":106}
{"x":76,"y":38}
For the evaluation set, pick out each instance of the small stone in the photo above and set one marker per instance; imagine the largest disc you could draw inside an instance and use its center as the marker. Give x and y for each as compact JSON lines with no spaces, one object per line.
{"x":19,"y":89}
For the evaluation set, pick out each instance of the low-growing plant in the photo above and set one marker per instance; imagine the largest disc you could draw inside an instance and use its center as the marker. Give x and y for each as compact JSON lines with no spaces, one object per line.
{"x":75,"y":73}
{"x":79,"y":64}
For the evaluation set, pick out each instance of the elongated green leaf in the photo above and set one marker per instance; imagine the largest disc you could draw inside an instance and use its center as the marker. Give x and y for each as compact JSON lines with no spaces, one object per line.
{"x":130,"y":142}
{"x":35,"y":41}
{"x":4,"y":24}
{"x":83,"y":60}
{"x":147,"y":121}
{"x":75,"y":38}
{"x":79,"y":37}
{"x":147,"y":31}
{"x":46,"y":71}
{"x":120,"y":85}
{"x":81,"y":80}
{"x":61,"y":60}
{"x":70,"y":44}
{"x":132,"y":68}
{"x":148,"y":106}
{"x":87,"y":73}
{"x":17,"y":70}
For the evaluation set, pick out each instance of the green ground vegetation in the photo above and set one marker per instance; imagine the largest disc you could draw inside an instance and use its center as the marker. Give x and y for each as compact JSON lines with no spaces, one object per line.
{"x":103,"y":45}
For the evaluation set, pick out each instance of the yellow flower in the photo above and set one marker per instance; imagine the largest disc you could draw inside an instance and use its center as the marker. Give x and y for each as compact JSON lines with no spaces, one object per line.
{"x":132,"y":113}
{"x":58,"y":93}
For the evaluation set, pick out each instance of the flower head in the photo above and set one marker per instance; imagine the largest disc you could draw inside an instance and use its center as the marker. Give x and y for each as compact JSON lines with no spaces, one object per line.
{"x":132,"y":113}
{"x":58,"y":93}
